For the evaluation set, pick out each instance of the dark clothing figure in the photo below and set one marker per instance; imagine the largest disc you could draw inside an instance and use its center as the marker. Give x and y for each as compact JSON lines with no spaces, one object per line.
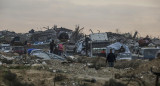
{"x":122,"y":49}
{"x":52,"y":46}
{"x":111,"y":58}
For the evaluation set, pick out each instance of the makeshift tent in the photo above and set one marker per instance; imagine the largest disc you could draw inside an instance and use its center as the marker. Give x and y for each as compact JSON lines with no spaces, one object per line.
{"x":120,"y":56}
{"x":117,"y":46}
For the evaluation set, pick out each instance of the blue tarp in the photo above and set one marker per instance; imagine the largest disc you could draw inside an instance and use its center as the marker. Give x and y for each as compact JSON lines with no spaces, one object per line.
{"x":30,"y":50}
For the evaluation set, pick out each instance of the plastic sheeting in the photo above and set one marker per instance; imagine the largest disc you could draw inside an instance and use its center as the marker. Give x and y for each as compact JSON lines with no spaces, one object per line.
{"x":79,"y":46}
{"x":117,"y":46}
{"x":39,"y":53}
{"x":120,"y":56}
{"x":30,"y":50}
{"x":54,"y":56}
{"x":45,"y":55}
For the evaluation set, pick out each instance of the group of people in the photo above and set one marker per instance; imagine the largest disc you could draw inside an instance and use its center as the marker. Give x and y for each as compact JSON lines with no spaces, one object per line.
{"x":59,"y":48}
{"x":56,"y":48}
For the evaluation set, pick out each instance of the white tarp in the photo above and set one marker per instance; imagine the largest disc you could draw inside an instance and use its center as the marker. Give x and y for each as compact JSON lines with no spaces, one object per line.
{"x":79,"y":46}
{"x":117,"y":46}
{"x":40,"y":53}
{"x":44,"y":55}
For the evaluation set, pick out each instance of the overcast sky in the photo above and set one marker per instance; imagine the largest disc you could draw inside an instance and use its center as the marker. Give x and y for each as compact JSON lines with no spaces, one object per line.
{"x":103,"y":15}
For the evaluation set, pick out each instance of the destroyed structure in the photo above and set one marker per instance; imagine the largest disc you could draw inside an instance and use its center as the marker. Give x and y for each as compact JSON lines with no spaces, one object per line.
{"x":75,"y":42}
{"x":83,"y":56}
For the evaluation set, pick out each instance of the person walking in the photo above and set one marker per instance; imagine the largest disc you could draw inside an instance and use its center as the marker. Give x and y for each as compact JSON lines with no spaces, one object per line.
{"x":111,"y":58}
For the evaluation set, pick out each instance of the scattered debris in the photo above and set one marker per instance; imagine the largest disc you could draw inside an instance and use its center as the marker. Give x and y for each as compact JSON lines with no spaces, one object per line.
{"x":0,"y":63}
{"x":113,"y":82}
{"x":59,"y":77}
{"x":40,"y":54}
{"x":28,"y":59}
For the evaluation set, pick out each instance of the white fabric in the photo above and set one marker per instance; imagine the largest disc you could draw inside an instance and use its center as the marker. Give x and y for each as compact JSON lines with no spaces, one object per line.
{"x":117,"y":46}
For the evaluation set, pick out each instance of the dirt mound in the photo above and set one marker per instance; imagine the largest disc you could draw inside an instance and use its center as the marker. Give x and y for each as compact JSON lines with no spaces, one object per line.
{"x":142,"y":74}
{"x":155,"y":64}
{"x":128,"y":64}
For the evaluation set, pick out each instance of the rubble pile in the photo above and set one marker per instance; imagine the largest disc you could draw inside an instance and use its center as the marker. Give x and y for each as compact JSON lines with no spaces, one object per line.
{"x":115,"y":37}
{"x":142,"y":74}
{"x":81,"y":69}
{"x":133,"y":64}
{"x":146,"y":67}
{"x":62,"y":57}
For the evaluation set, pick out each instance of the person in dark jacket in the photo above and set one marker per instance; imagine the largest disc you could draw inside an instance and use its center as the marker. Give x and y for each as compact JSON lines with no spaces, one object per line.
{"x":52,"y":46}
{"x":111,"y":58}
{"x":122,"y":49}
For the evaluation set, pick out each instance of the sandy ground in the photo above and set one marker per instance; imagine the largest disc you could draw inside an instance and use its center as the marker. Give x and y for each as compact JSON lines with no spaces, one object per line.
{"x":80,"y":74}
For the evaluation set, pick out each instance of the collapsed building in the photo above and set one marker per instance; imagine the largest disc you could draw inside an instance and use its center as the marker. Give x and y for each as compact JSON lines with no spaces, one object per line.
{"x":76,"y":42}
{"x":98,"y":42}
{"x":51,"y":34}
{"x":43,"y":36}
{"x":92,"y":44}
{"x":6,"y":36}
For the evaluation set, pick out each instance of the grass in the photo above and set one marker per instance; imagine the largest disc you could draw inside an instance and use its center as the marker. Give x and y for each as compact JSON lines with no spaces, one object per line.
{"x":10,"y":79}
{"x":20,"y":67}
{"x":6,"y":61}
{"x":113,"y":82}
{"x":128,"y":64}
{"x":60,"y":77}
